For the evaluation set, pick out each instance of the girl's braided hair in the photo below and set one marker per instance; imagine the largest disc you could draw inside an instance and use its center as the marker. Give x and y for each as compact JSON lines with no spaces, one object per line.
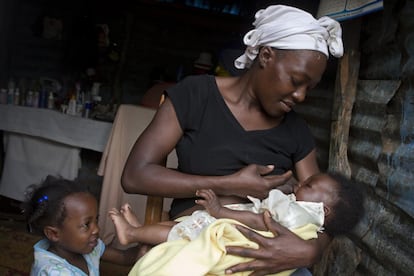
{"x":44,"y":203}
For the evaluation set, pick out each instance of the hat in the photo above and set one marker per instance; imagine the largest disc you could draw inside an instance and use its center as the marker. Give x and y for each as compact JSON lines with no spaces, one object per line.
{"x":204,"y":61}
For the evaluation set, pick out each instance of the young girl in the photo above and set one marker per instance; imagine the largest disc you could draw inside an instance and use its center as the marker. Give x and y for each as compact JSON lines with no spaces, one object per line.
{"x":66,"y":214}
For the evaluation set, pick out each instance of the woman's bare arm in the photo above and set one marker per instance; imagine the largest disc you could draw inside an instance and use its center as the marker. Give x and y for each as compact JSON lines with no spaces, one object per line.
{"x":307,"y":167}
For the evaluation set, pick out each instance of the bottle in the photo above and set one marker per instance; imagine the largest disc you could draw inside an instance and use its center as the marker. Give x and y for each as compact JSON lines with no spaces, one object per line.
{"x":10,"y":96}
{"x":10,"y":91}
{"x":43,"y":99}
{"x":3,"y":96}
{"x":16,"y":99}
{"x":95,"y":89}
{"x":79,"y":109}
{"x":35,"y":102}
{"x":72,"y":106}
{"x":11,"y":85}
{"x":29,"y":98}
{"x":51,"y":101}
{"x":87,"y":110}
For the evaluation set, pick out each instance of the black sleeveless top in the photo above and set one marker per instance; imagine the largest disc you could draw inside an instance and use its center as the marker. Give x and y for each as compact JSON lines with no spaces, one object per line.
{"x":215,"y":144}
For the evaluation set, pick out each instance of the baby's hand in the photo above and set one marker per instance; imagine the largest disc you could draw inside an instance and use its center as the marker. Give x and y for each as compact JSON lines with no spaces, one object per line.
{"x":209,"y":200}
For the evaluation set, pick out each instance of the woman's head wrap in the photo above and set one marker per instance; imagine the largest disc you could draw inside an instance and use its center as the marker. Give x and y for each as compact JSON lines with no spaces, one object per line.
{"x":289,"y":28}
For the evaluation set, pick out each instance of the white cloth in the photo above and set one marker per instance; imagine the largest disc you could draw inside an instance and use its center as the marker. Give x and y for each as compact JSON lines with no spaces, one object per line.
{"x":290,"y":28}
{"x":29,"y":160}
{"x":289,"y":212}
{"x":40,"y":141}
{"x":284,"y":209}
{"x":55,"y":126}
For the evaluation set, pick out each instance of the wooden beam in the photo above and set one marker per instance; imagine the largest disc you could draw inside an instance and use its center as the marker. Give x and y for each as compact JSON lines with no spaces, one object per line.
{"x":153,"y":212}
{"x":344,"y":98}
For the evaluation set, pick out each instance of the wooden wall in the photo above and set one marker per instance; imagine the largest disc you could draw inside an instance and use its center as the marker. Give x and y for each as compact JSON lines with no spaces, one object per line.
{"x":379,"y":148}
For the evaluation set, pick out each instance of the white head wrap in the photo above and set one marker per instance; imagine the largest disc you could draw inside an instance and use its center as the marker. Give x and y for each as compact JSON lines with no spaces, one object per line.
{"x":289,"y":28}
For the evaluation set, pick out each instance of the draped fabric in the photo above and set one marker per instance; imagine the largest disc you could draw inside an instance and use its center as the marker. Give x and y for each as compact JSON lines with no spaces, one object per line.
{"x":130,"y":121}
{"x":290,"y":28}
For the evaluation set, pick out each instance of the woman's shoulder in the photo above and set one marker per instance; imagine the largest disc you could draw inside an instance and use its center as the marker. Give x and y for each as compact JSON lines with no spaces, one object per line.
{"x":198,"y":78}
{"x":193,"y":89}
{"x":195,"y":83}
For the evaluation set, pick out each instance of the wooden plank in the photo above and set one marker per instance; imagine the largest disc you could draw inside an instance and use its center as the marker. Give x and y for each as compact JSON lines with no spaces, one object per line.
{"x":344,"y":99}
{"x":154,"y":209}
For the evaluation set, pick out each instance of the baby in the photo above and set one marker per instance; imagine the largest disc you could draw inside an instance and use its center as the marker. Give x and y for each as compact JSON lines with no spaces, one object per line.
{"x":328,"y":200}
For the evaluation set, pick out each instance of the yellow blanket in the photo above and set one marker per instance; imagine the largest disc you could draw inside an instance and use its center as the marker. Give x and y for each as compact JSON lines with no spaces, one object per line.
{"x":206,"y":255}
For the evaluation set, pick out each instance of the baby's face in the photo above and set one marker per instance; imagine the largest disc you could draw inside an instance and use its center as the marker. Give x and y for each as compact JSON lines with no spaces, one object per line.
{"x":317,"y":188}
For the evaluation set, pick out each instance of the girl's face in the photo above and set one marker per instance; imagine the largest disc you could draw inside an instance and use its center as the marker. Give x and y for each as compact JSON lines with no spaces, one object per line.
{"x":317,"y":188}
{"x":285,"y":77}
{"x":79,"y":231}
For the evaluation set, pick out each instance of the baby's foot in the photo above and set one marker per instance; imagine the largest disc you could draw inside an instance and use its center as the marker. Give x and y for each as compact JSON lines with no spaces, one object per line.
{"x":129,"y":215}
{"x":124,"y":230}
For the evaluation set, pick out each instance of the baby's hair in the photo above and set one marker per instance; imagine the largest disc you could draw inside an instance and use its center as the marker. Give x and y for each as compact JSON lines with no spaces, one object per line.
{"x":348,"y":208}
{"x":44,"y":204}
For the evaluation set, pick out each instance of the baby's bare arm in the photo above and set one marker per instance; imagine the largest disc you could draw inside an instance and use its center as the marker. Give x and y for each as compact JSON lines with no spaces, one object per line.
{"x":209,"y":200}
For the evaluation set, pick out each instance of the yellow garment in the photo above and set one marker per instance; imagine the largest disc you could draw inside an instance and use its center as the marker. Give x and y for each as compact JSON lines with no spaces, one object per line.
{"x":206,"y":255}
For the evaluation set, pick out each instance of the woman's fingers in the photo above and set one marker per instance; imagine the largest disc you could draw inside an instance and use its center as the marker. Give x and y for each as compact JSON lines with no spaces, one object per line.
{"x":276,"y":228}
{"x":274,"y":254}
{"x":279,"y":180}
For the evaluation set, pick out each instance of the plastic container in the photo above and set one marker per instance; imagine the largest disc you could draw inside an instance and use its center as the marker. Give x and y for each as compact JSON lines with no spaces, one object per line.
{"x":10,"y":96}
{"x":29,"y":99}
{"x":3,"y":96}
{"x":16,"y":99}
{"x":87,"y":110}
{"x":51,"y":101}
{"x":72,"y":106}
{"x":35,"y":102}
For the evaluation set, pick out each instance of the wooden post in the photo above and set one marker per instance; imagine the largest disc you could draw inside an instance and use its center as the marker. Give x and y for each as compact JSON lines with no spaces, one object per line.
{"x":153,"y":212}
{"x":344,"y":98}
{"x":117,"y":85}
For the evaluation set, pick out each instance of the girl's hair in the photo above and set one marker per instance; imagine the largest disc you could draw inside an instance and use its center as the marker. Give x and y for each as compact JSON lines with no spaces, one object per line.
{"x":348,"y":208}
{"x":44,"y":204}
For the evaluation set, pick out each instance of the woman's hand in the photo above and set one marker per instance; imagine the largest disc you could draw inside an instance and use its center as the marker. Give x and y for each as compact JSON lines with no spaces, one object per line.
{"x":253,"y":180}
{"x":284,"y":251}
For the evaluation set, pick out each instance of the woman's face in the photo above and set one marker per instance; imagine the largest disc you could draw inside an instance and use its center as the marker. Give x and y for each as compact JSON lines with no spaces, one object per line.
{"x":285,"y":76}
{"x":79,"y":231}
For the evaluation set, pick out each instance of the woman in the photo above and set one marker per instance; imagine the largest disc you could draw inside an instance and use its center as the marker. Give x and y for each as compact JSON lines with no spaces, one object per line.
{"x":239,"y":135}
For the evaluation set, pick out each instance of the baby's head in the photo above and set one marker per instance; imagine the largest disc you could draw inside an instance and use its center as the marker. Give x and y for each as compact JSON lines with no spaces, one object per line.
{"x":65,"y":212}
{"x":342,"y":200}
